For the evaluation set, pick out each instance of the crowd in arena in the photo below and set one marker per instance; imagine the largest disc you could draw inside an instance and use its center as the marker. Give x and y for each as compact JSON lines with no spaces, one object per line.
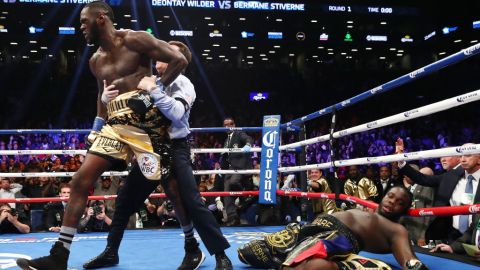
{"x":158,"y":212}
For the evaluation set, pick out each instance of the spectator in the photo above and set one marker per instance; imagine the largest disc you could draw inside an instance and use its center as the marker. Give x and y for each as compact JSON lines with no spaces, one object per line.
{"x":10,"y":221}
{"x":359,"y":186}
{"x":9,"y":189}
{"x":54,"y":210}
{"x":317,"y":183}
{"x":166,"y":214}
{"x":290,"y":205}
{"x":38,"y":187}
{"x":384,"y":182}
{"x":458,"y":186}
{"x":449,"y":163}
{"x":235,"y":161}
{"x":422,"y":198}
{"x":470,"y":237}
{"x":95,"y":219}
{"x":107,"y":185}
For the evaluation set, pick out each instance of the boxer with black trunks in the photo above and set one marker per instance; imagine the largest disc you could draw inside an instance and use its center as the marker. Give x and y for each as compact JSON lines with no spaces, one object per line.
{"x":331,"y":242}
{"x":122,"y":59}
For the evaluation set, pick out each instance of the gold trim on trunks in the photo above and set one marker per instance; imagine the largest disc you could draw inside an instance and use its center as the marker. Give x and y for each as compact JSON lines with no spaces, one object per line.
{"x":119,"y":106}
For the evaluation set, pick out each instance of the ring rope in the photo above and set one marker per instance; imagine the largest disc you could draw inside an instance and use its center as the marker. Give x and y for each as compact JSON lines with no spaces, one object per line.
{"x":84,"y":152}
{"x":419,"y":212}
{"x":421,"y":72}
{"x":124,"y":173}
{"x":87,"y":131}
{"x":427,"y":154}
{"x":396,"y":118}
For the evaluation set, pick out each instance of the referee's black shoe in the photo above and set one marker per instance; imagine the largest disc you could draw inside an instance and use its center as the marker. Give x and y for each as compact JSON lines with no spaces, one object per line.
{"x":223,"y":262}
{"x":107,"y":258}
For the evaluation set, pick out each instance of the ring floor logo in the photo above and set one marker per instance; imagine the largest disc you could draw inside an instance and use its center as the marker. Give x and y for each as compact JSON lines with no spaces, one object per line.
{"x":7,"y":260}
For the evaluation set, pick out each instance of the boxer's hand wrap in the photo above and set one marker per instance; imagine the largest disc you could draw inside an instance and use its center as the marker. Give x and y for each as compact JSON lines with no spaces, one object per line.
{"x":98,"y":123}
{"x":140,"y":103}
{"x":415,"y":264}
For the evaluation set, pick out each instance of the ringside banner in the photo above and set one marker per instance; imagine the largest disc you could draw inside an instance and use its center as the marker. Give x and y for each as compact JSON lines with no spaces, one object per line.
{"x":269,"y":161}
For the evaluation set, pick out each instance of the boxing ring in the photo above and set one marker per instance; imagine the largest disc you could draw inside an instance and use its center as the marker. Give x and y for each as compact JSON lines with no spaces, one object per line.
{"x":163,"y":248}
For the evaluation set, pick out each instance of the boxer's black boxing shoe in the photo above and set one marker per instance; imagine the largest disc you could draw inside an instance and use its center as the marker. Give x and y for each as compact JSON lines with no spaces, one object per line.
{"x":194,"y":257}
{"x":108,"y":257}
{"x":57,"y":260}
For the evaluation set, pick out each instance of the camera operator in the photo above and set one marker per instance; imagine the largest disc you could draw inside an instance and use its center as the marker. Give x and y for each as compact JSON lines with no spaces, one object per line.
{"x":10,"y":222}
{"x":95,"y":219}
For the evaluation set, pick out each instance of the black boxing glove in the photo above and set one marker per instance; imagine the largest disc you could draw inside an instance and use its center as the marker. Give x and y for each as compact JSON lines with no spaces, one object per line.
{"x":415,"y":264}
{"x":257,"y":254}
{"x":140,"y":103}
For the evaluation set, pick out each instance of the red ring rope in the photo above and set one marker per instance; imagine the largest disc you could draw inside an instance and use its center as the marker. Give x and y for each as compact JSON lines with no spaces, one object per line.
{"x":419,"y":212}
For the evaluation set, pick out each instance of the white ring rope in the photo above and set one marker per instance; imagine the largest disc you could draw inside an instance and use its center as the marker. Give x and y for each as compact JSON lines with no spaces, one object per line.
{"x":84,"y":152}
{"x":55,"y":174}
{"x":251,"y":171}
{"x":397,"y":118}
{"x":224,"y":150}
{"x":428,"y":154}
{"x":42,"y":152}
{"x":114,"y":173}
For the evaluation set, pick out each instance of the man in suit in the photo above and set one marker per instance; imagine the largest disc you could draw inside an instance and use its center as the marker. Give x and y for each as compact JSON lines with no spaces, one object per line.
{"x":470,"y":237}
{"x":235,"y":161}
{"x":384,"y":183}
{"x":449,"y":163}
{"x":455,"y":187}
{"x":422,"y":198}
{"x":54,"y":210}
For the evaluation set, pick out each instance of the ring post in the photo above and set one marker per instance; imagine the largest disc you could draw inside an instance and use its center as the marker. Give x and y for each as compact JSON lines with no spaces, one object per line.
{"x":302,"y":159}
{"x":269,"y":160}
{"x":333,"y":172}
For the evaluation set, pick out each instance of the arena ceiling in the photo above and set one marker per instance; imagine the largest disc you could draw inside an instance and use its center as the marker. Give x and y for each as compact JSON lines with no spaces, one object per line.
{"x":247,"y":33}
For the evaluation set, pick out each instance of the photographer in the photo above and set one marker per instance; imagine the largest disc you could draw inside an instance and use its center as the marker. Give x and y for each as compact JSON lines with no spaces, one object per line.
{"x":166,"y":214}
{"x":10,"y":222}
{"x":95,"y":219}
